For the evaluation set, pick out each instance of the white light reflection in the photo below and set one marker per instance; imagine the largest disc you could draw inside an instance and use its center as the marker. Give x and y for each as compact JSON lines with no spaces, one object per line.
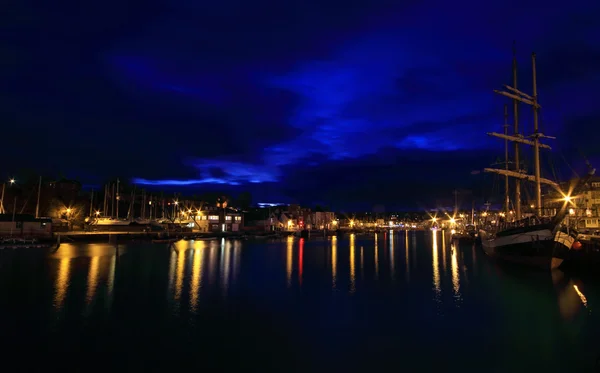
{"x":455,"y":274}
{"x":436,"y":267}
{"x":444,"y":251}
{"x":237,"y":252}
{"x":111,"y":281}
{"x":225,"y":265}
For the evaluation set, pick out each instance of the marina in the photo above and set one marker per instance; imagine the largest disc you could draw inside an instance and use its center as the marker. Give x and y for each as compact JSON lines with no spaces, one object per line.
{"x":380,"y":298}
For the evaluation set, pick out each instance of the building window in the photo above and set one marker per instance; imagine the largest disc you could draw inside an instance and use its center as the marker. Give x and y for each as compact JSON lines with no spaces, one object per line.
{"x":238,"y":218}
{"x":213,"y":217}
{"x":228,"y":218}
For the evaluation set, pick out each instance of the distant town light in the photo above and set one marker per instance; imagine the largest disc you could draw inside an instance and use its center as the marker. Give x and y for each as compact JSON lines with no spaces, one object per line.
{"x":97,"y":213}
{"x":12,"y":181}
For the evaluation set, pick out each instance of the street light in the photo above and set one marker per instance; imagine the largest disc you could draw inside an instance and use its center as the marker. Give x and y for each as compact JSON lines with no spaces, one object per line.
{"x":68,"y":211}
{"x":12,"y":181}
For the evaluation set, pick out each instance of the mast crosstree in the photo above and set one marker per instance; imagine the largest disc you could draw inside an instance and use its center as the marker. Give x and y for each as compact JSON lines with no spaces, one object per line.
{"x":532,"y":140}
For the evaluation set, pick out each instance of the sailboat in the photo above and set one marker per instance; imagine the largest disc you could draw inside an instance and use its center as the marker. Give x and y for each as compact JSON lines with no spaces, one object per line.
{"x":538,"y":241}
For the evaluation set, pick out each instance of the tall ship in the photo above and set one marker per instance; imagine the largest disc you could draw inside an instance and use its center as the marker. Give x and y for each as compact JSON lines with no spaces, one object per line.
{"x":539,"y":240}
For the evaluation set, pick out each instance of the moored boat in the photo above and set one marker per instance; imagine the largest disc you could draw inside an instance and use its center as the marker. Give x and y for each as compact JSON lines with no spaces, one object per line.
{"x":167,"y":240}
{"x":538,"y":241}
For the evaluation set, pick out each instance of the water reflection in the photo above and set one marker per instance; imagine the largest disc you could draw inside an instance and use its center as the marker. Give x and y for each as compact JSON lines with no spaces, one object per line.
{"x":62,"y":283}
{"x":289,"y":260}
{"x":581,"y":296}
{"x":111,"y":280}
{"x":300,"y":260}
{"x":334,"y":261}
{"x":179,"y":271}
{"x":197,"y":266}
{"x":92,"y":279}
{"x":225,"y":265}
{"x":414,"y":249}
{"x":376,"y":249}
{"x":455,"y":274}
{"x":407,"y":257}
{"x":352,"y":263}
{"x":392,"y":262}
{"x":436,"y":267}
{"x":444,"y":251}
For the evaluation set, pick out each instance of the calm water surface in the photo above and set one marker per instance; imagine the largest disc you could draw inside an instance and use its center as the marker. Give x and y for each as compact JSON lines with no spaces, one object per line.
{"x":389,"y":302}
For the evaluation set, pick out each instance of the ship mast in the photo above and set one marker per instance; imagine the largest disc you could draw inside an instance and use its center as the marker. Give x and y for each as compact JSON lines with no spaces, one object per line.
{"x":516,"y":133}
{"x":536,"y":142}
{"x":506,"y":191}
{"x":519,"y":96}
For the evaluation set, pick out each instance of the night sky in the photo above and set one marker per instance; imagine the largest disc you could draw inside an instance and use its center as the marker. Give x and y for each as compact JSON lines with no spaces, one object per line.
{"x":346,"y":103}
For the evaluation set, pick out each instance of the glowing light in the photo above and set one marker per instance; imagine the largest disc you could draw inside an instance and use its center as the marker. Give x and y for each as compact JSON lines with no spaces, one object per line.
{"x":12,"y":181}
{"x":452,"y":221}
{"x":68,"y":211}
{"x":567,"y":198}
{"x":97,"y":213}
{"x":453,"y":231}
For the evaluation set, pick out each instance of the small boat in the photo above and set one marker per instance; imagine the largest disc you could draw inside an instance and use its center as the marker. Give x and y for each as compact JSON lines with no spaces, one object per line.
{"x":23,"y":243}
{"x":167,"y":240}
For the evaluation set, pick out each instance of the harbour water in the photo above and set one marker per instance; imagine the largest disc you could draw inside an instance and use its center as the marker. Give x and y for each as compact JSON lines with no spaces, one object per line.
{"x":402,"y":301}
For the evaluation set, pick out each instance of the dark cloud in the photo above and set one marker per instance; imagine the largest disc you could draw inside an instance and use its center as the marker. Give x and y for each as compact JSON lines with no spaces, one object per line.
{"x":311,"y":99}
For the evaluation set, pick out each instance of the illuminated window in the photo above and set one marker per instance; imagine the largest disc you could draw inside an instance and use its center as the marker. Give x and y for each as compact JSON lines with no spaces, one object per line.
{"x":213,"y":217}
{"x":228,"y":218}
{"x":238,"y":218}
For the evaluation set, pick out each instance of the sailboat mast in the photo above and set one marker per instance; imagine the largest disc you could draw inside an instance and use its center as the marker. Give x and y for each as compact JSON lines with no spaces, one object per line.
{"x":536,"y":142}
{"x":92,"y":203}
{"x":112,"y":199}
{"x":118,"y":197}
{"x":105,"y":204}
{"x":506,"y":186}
{"x":37,"y":206}
{"x":516,"y":127}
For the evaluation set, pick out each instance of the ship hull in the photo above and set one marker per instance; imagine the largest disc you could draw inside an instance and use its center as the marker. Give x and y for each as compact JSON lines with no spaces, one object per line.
{"x":535,"y":247}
